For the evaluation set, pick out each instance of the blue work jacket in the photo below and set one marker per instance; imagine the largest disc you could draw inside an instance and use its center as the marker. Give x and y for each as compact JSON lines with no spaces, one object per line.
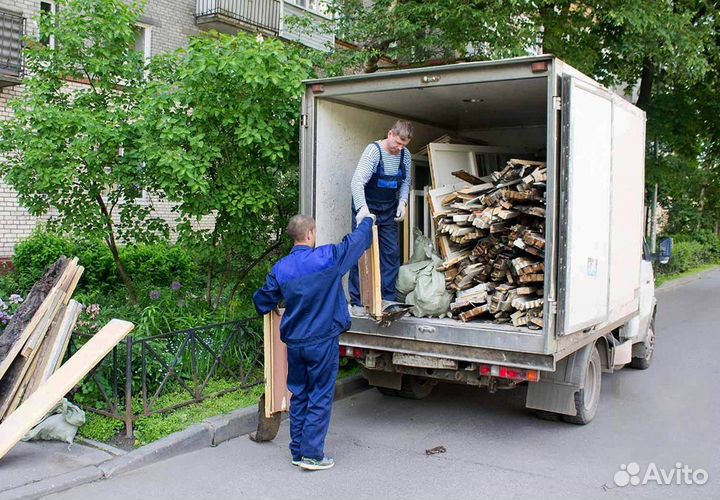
{"x":310,"y":282}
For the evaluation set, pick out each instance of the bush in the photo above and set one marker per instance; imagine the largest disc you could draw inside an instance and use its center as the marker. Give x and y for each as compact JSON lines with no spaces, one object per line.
{"x":158,"y":264}
{"x":692,"y":250}
{"x":35,"y":254}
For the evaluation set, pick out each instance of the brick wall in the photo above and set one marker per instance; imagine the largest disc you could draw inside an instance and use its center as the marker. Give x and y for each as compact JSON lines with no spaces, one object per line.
{"x":171,"y":24}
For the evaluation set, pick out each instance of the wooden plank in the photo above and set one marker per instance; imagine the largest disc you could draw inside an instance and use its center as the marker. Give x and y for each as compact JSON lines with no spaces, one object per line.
{"x":58,"y":353}
{"x":53,"y":348}
{"x":18,"y":423}
{"x":468,"y":177}
{"x":436,"y":196}
{"x":277,"y":395}
{"x":370,"y":279}
{"x":30,"y":326}
{"x":445,"y":159}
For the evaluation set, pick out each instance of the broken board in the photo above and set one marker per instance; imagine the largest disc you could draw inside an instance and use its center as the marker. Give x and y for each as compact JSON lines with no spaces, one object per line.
{"x":370,"y":279}
{"x":31,"y":411}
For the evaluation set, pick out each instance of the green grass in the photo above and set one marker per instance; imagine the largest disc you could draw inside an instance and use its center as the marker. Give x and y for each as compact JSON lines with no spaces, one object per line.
{"x":664,"y":278}
{"x":154,"y":427}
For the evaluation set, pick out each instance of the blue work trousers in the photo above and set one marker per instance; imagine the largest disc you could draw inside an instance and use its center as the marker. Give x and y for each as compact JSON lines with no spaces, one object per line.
{"x":312,"y":373}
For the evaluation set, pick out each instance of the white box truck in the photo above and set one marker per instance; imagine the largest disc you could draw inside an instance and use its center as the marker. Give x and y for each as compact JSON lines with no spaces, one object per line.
{"x":599,"y":302}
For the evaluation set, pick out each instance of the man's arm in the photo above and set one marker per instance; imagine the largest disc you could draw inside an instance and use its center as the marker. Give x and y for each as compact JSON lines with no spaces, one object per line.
{"x":363,"y":172}
{"x":405,"y":186}
{"x":268,"y":297}
{"x":351,"y":248}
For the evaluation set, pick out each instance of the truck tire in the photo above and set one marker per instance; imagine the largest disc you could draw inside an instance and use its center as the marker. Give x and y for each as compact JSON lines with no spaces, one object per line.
{"x":587,"y":398}
{"x":643,"y":363}
{"x":414,"y":387}
{"x":385,"y":391}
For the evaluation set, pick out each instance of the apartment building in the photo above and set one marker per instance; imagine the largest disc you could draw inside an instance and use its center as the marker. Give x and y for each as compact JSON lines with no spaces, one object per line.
{"x":166,"y":25}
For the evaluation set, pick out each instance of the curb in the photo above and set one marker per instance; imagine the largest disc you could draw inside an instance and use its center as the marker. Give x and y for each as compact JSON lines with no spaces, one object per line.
{"x":210,"y":432}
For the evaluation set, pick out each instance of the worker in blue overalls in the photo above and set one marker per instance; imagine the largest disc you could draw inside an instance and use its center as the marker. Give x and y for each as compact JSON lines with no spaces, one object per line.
{"x":381,"y":185}
{"x":309,"y":281}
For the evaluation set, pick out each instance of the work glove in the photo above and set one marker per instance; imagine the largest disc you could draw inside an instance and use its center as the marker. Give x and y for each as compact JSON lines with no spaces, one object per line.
{"x":400,"y":212}
{"x":362,"y":213}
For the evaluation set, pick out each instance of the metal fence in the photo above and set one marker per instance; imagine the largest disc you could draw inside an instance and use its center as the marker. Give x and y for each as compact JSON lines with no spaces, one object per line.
{"x":12,"y":30}
{"x":263,"y":14}
{"x":132,"y":381}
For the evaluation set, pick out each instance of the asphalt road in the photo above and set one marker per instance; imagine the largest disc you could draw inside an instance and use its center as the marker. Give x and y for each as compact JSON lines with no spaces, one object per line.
{"x":496,"y":448}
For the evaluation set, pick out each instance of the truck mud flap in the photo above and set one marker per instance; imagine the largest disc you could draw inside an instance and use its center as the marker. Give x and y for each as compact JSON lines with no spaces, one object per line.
{"x":555,"y":392}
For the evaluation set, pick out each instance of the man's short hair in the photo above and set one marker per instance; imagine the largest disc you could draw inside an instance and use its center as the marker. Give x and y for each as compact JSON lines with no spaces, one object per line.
{"x":403,"y":129}
{"x":300,"y":226}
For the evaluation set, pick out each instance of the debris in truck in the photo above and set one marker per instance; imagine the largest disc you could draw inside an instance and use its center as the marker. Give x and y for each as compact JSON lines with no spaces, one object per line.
{"x":494,"y":238}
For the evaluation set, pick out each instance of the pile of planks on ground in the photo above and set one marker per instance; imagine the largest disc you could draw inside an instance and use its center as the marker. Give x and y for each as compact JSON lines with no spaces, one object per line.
{"x":492,"y":232}
{"x":33,"y":345}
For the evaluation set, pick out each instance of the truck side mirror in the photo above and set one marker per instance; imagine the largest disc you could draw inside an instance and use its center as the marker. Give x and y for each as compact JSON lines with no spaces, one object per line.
{"x":666,"y":248}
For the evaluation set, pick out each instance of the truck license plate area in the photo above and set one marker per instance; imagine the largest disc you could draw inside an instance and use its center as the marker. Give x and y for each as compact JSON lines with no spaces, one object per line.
{"x":423,"y":361}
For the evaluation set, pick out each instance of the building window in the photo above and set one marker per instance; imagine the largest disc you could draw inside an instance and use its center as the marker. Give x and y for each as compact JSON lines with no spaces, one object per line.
{"x":317,"y":6}
{"x":47,"y":8}
{"x":143,"y":38}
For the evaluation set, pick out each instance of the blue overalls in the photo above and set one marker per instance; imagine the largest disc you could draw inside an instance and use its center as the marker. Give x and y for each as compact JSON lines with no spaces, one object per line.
{"x":309,"y":280}
{"x":381,"y":196}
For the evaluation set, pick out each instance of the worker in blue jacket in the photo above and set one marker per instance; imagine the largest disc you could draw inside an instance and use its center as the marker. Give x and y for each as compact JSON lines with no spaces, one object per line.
{"x":309,"y":281}
{"x":381,"y":186}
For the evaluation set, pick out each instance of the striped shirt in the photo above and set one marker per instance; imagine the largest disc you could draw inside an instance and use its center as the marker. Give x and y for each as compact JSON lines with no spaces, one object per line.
{"x":367,"y":166}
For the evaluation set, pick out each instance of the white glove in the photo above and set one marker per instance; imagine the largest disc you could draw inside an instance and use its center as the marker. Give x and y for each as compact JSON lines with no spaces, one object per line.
{"x":400,"y":212}
{"x":362,"y":213}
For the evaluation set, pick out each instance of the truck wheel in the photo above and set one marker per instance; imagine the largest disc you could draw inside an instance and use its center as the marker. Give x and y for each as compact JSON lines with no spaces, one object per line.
{"x":643,"y":363}
{"x":385,"y":391}
{"x":414,"y":387}
{"x":586,"y":399}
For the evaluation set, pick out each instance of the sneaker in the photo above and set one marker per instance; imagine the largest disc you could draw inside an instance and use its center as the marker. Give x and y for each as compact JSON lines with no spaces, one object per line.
{"x":296,"y":462}
{"x":312,"y":464}
{"x":358,"y":311}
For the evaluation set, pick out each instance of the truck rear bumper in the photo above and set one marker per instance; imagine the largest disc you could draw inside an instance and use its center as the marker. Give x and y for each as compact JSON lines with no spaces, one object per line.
{"x":438,"y":349}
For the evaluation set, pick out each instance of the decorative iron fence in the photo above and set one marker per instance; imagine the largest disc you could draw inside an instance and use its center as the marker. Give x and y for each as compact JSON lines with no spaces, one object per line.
{"x":263,"y":14}
{"x":135,"y":378}
{"x":12,"y":30}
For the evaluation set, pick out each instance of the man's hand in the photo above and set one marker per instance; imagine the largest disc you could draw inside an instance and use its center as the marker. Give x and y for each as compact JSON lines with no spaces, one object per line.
{"x":362,"y":213}
{"x":400,"y":212}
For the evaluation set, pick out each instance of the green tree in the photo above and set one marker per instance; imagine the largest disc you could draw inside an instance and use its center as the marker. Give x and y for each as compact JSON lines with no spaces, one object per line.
{"x":414,"y":32}
{"x":76,"y":148}
{"x":220,"y":122}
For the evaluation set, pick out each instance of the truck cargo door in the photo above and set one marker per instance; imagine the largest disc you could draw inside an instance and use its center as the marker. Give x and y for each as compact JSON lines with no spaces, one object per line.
{"x":585,"y":180}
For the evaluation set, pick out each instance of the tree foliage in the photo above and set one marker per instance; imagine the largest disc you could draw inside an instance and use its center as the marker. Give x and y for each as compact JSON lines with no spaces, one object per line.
{"x":220,"y":123}
{"x":75,"y":149}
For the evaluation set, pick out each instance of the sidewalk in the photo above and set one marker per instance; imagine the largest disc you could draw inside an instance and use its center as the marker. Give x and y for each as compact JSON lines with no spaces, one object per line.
{"x":40,"y":468}
{"x":48,"y":462}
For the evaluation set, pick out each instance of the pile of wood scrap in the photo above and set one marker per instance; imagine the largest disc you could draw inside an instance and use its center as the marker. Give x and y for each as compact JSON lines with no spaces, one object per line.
{"x":491,"y":234}
{"x":33,"y":345}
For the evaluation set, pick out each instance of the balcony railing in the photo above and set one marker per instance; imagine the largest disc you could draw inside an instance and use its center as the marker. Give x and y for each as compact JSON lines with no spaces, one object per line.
{"x":261,"y":15}
{"x":12,"y":30}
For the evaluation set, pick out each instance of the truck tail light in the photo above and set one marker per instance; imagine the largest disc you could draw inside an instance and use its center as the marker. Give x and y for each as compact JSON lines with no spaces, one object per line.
{"x":351,"y":352}
{"x":509,"y":373}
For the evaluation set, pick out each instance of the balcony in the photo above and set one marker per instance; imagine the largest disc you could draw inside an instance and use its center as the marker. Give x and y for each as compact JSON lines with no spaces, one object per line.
{"x":12,"y":30}
{"x":231,"y":16}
